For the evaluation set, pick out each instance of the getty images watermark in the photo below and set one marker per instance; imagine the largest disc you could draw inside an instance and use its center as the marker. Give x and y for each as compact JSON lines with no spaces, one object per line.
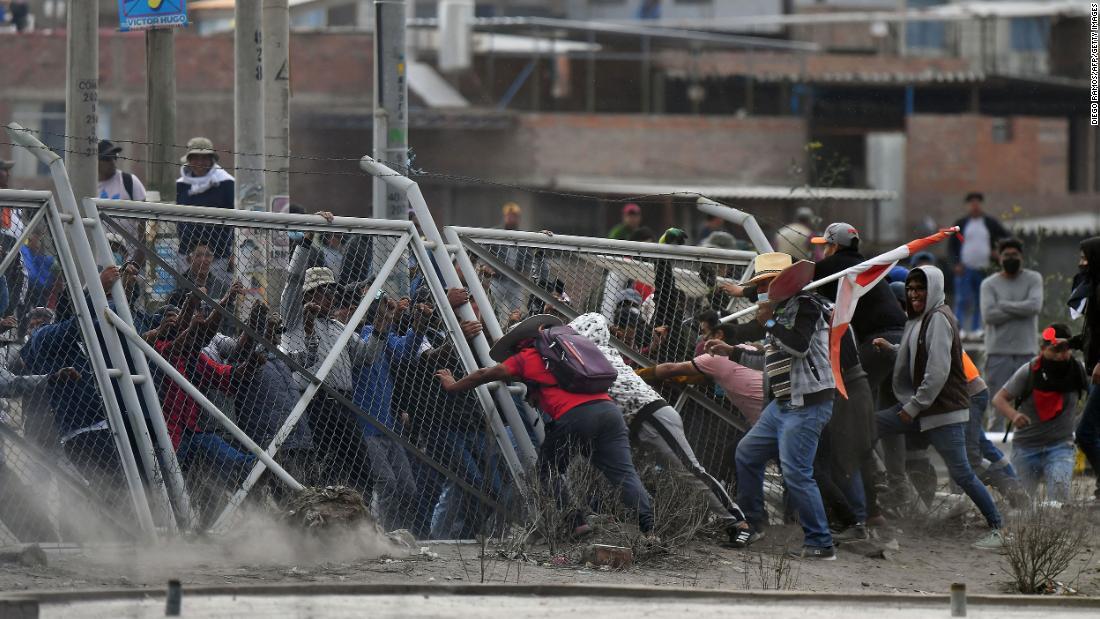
{"x":1094,"y":63}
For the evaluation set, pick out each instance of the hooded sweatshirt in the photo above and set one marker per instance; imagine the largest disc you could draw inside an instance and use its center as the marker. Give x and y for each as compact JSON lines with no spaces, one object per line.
{"x":931,"y":396}
{"x":629,"y":391}
{"x":1091,"y":334}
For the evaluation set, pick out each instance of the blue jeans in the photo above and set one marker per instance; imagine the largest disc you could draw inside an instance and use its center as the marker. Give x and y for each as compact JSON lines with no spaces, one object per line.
{"x":950,"y":442}
{"x":986,"y":460}
{"x":1053,"y":464}
{"x":226,"y":459}
{"x":456,"y":514}
{"x":791,"y":434}
{"x":968,"y":287}
{"x":1088,"y":432}
{"x":857,"y":499}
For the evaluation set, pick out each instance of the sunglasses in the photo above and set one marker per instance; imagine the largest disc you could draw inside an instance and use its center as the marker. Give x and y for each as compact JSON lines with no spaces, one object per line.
{"x":1062,"y":346}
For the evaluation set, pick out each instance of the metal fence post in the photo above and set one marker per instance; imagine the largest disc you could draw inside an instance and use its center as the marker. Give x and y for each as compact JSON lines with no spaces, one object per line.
{"x":747,"y":222}
{"x":103,"y":380}
{"x":72,"y":273}
{"x":492,"y":325}
{"x":524,"y":447}
{"x":168,"y":460}
{"x":470,"y":363}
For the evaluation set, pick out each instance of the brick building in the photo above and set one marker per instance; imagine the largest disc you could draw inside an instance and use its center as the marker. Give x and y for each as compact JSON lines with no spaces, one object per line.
{"x":930,"y":127}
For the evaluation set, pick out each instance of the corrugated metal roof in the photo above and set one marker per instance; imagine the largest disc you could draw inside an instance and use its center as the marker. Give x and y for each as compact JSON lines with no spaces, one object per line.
{"x":1080,"y":222}
{"x":645,"y":187}
{"x":954,"y":11}
{"x":877,"y":77}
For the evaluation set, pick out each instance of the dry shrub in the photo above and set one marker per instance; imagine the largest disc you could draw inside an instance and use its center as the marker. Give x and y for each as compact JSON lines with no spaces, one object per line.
{"x":679,"y":512}
{"x":771,"y":572}
{"x":1042,"y":544}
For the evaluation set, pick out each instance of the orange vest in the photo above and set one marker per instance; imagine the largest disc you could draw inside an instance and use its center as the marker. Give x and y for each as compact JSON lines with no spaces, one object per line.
{"x":969,"y":369}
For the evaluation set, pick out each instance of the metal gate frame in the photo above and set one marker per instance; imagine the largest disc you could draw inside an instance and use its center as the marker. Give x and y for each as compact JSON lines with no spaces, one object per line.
{"x":44,"y":202}
{"x":404,"y":231}
{"x":471,"y":240}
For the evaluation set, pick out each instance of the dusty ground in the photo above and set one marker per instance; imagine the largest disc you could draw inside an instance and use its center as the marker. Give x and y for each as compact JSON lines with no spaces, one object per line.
{"x":925,"y":561}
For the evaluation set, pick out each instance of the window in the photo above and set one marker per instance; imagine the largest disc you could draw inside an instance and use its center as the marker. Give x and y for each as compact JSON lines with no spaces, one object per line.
{"x":925,"y":34}
{"x":48,"y":119}
{"x":1029,"y":34}
{"x":1002,"y":130}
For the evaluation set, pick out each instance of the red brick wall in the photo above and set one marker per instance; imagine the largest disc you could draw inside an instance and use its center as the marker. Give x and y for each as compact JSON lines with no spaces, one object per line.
{"x":950,"y":155}
{"x":755,"y":150}
{"x":326,"y":69}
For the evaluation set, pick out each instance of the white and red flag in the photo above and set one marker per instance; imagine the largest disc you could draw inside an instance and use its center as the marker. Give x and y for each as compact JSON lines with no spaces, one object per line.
{"x":857,"y":280}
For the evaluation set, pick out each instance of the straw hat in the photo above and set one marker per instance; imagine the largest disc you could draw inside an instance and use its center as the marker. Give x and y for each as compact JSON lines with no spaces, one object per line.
{"x":316,"y":277}
{"x":522,"y":331}
{"x":199,"y":146}
{"x":768,"y":265}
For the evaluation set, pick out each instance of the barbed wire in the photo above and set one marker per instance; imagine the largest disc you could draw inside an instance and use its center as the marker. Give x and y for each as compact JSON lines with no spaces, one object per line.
{"x":177,"y":163}
{"x":220,"y":151}
{"x":411,"y":172}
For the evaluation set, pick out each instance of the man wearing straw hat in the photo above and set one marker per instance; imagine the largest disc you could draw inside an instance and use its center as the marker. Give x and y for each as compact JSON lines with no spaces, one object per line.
{"x":587,"y":423}
{"x":203,"y":182}
{"x":799,"y":379}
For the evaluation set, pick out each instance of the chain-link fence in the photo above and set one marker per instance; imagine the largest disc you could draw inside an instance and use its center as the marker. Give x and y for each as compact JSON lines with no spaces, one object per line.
{"x":62,"y":478}
{"x":656,"y":298}
{"x":214,"y":362}
{"x":253,"y":315}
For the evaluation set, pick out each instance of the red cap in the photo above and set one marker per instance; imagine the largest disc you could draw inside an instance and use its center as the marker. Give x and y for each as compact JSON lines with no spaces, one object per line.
{"x":631,"y":208}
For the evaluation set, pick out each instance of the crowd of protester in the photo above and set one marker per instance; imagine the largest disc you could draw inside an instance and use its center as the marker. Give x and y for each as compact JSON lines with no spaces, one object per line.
{"x":396,"y":399}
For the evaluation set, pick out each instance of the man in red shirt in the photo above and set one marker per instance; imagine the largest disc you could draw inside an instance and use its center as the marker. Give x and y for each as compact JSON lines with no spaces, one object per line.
{"x":587,"y":423}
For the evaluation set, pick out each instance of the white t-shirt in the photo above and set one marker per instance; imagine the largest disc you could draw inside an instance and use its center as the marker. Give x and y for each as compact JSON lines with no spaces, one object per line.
{"x":113,"y":189}
{"x":975,"y":247}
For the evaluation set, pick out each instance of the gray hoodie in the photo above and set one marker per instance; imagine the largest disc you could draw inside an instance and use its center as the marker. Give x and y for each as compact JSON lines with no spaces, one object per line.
{"x":939,"y":337}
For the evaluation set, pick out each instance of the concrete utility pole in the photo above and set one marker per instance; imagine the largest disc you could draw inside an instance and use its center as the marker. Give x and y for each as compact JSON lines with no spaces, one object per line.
{"x":160,"y":98}
{"x":391,"y":96}
{"x":276,"y":84}
{"x":248,"y":130}
{"x":81,"y":95}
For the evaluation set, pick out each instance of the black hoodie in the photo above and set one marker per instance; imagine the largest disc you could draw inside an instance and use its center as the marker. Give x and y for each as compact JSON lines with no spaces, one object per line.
{"x":1091,"y":334}
{"x":877,"y":311}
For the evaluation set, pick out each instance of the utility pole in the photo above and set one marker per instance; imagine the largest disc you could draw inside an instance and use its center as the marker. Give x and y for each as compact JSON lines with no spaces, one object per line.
{"x":81,"y":95}
{"x":276,"y":85}
{"x":160,"y":98}
{"x":391,"y":96}
{"x":248,"y":131}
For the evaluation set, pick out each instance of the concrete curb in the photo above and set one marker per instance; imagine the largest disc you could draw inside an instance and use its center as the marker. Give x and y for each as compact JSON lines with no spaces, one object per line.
{"x":19,"y":601}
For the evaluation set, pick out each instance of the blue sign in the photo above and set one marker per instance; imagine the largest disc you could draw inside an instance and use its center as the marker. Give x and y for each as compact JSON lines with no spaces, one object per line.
{"x":137,"y":14}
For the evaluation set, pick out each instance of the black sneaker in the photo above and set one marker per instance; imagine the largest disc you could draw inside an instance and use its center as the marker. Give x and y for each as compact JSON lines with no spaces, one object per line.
{"x":742,"y":538}
{"x":814,"y":552}
{"x":853,"y":533}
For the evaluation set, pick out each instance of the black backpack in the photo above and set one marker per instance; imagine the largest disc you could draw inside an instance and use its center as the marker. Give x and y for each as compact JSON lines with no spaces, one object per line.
{"x":128,"y":184}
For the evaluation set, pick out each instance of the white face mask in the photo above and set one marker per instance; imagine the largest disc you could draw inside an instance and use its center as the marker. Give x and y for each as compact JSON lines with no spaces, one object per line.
{"x":761,"y":297}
